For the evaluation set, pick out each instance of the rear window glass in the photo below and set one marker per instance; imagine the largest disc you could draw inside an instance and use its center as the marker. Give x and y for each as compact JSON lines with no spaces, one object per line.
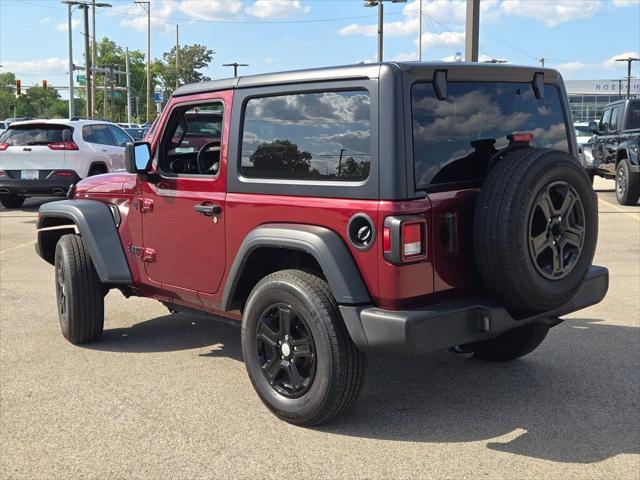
{"x":453,"y":139}
{"x":24,"y":135}
{"x":308,"y":136}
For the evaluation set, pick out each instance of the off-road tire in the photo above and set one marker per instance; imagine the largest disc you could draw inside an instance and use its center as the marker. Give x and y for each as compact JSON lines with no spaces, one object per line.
{"x":627,"y":184}
{"x":79,"y":292}
{"x":513,"y":344}
{"x":339,"y":364}
{"x":502,"y":222}
{"x":12,"y":201}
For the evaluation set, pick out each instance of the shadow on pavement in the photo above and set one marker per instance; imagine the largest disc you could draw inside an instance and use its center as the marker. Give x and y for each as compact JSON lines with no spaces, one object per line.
{"x":574,"y":400}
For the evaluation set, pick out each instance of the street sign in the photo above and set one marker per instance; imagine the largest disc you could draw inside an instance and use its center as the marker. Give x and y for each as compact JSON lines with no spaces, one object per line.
{"x":81,"y":79}
{"x":157,"y":97}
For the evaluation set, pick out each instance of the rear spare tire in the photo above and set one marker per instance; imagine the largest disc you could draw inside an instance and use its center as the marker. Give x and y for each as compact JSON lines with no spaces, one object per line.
{"x":535,"y":229}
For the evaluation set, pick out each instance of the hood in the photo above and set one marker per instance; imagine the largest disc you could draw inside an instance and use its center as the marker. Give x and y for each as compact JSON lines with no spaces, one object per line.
{"x":120,"y":182}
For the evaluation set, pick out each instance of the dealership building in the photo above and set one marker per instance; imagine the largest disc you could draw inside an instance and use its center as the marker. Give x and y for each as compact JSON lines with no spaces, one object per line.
{"x":587,"y":98}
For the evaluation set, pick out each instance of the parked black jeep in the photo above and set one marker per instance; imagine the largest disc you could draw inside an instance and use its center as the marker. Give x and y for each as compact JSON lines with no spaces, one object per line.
{"x":615,"y":148}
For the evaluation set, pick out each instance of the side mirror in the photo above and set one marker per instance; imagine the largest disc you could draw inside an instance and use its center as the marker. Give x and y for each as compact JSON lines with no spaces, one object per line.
{"x":137,"y":157}
{"x":593,"y":126}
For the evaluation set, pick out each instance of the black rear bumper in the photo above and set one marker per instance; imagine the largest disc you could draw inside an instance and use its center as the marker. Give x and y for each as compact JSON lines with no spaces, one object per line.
{"x":448,"y":324}
{"x":51,"y":186}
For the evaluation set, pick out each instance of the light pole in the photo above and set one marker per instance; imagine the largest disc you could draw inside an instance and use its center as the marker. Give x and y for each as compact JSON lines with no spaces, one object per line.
{"x":148,"y":9}
{"x":378,"y":3}
{"x":94,"y":55}
{"x":472,"y":31}
{"x":71,"y":92}
{"x":235,"y":66}
{"x":629,"y":61}
{"x":420,"y":31}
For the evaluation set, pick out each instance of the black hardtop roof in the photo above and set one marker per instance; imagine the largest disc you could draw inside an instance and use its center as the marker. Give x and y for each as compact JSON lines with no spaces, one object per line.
{"x":365,"y":71}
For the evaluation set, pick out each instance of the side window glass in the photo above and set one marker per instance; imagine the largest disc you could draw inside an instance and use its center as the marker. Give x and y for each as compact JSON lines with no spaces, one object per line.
{"x":192,"y":143}
{"x":87,"y":134}
{"x":102,"y":135}
{"x":613,"y":127}
{"x":633,"y":120}
{"x":119,"y":135}
{"x":309,"y":136}
{"x":604,"y":121}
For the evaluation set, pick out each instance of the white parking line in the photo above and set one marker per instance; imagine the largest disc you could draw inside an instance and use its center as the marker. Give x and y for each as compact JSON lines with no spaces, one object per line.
{"x":634,"y":215}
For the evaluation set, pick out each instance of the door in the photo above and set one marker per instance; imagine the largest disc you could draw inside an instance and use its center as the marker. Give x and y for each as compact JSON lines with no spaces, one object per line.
{"x":183,"y":207}
{"x":103,"y":144}
{"x":121,"y":139}
{"x":612,"y":138}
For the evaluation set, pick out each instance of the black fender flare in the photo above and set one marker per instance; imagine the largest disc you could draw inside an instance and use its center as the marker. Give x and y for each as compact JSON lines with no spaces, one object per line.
{"x":632,"y":152}
{"x":323,"y":244}
{"x":95,"y":223}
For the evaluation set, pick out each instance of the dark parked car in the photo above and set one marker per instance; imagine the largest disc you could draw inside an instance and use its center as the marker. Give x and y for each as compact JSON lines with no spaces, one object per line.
{"x":615,"y":148}
{"x":343,"y":211}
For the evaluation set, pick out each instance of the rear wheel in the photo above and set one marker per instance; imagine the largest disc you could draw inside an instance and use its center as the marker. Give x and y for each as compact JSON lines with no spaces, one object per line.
{"x":79,"y":292}
{"x":512,"y":344}
{"x":12,"y":201}
{"x":97,"y":170}
{"x":297,"y":351}
{"x":627,"y":184}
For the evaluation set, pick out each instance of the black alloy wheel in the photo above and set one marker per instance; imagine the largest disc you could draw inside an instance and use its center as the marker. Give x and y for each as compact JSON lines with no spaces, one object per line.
{"x":621,"y":182}
{"x":61,"y":290}
{"x":286,"y":351}
{"x":556,"y":230}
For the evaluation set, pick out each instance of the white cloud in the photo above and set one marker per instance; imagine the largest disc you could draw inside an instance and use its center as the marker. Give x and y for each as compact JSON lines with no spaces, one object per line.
{"x":626,"y":3}
{"x":572,"y":66}
{"x":608,"y":64}
{"x":481,"y":58}
{"x":268,"y":60}
{"x":444,"y":39}
{"x":552,"y":12}
{"x":46,"y":65}
{"x":211,"y":9}
{"x":276,"y":8}
{"x":46,"y":20}
{"x":611,"y":61}
{"x":64,"y":26}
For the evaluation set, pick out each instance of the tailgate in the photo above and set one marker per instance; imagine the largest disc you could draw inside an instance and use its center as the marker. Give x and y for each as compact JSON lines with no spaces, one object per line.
{"x":35,"y":146}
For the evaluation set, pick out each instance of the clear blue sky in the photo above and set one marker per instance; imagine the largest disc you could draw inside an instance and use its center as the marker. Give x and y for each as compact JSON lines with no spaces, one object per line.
{"x":578,"y":37}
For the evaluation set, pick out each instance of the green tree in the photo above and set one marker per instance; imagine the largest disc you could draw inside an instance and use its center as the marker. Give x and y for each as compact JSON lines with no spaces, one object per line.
{"x":7,"y":96}
{"x":193,"y":58}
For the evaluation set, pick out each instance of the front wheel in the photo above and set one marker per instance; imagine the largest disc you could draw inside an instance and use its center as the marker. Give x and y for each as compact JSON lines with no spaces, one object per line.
{"x":297,"y":351}
{"x":627,"y":184}
{"x":79,"y":292}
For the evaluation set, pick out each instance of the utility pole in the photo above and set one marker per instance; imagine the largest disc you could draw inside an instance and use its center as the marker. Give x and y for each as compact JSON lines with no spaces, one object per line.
{"x":177,"y":56}
{"x":148,"y":8}
{"x":128,"y":74}
{"x":629,"y":61}
{"x":87,"y":57}
{"x":472,"y":31}
{"x":94,"y":61}
{"x":541,"y":60}
{"x":71,"y":94}
{"x":235,"y":66}
{"x":420,"y":31}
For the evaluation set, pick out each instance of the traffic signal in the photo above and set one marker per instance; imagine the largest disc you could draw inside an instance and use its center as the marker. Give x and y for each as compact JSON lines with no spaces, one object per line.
{"x":45,"y":84}
{"x":18,"y":88}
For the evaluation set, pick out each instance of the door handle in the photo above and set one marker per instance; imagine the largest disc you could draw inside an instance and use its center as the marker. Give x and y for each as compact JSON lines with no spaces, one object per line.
{"x":208,"y":209}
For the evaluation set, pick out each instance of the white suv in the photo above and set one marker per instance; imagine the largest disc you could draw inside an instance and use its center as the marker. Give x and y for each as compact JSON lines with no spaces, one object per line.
{"x":40,"y":158}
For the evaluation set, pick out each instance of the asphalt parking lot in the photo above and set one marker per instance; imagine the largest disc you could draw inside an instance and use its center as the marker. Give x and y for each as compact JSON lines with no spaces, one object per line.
{"x":167,"y":396}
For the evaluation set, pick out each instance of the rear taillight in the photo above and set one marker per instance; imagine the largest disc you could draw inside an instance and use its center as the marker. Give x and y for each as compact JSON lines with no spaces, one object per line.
{"x":404,"y":239}
{"x":2,"y":174}
{"x":63,"y":173}
{"x":63,"y":146}
{"x":3,"y":146}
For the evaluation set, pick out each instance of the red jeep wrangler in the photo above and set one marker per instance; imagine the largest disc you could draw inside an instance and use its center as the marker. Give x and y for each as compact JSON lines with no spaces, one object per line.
{"x":407,"y":207}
